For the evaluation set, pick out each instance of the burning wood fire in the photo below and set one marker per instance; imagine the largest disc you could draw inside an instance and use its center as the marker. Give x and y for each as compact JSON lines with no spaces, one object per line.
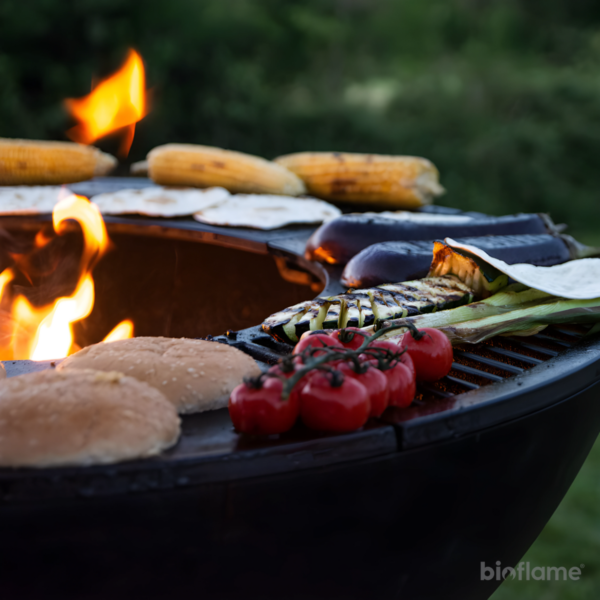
{"x":117,"y":102}
{"x":44,"y":333}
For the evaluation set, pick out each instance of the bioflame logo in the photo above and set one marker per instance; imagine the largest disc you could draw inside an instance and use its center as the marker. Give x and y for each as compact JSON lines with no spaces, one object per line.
{"x":524,"y":571}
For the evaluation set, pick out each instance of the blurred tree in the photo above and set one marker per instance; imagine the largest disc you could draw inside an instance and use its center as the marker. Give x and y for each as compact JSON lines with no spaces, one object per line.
{"x":503,"y":95}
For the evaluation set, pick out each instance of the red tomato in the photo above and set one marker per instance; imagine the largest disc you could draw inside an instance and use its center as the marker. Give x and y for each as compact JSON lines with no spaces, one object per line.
{"x":298,"y":364}
{"x":338,"y":408}
{"x":354,"y":343}
{"x":431,"y":354}
{"x":401,"y":385}
{"x":375,"y":383}
{"x":393,"y":347}
{"x":286,"y":370}
{"x":319,"y":340}
{"x":262,"y":411}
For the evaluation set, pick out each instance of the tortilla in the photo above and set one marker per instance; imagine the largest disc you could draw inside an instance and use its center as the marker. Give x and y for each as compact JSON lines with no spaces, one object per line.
{"x":576,"y":279}
{"x":30,"y":199}
{"x":159,"y":201}
{"x":262,"y":211}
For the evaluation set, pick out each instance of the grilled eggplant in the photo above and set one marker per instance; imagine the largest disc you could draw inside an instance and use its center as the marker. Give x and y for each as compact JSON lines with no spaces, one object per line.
{"x":401,"y":261}
{"x":338,"y":240}
{"x":361,"y":308}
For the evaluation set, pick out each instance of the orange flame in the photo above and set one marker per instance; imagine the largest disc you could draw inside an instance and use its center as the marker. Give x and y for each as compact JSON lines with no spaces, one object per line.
{"x":123,"y":331}
{"x":46,"y":333}
{"x":115,"y":103}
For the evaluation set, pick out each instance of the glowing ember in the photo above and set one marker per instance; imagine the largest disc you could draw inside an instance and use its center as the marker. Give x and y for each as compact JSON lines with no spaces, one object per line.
{"x":115,"y":103}
{"x":46,"y":333}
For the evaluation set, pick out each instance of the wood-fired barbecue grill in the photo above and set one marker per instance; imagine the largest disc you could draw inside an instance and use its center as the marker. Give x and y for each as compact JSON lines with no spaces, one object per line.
{"x":407,"y":508}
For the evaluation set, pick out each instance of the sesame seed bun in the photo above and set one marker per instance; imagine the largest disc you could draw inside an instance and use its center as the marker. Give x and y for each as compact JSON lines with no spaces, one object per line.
{"x":77,"y":417}
{"x":195,"y":375}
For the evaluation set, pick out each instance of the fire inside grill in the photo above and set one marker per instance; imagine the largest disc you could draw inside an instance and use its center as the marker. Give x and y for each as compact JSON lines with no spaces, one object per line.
{"x":43,"y":330}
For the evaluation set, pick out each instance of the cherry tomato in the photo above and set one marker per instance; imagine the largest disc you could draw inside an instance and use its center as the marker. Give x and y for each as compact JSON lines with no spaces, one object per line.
{"x":315,"y":332}
{"x":401,"y":385}
{"x":404,"y":358}
{"x":393,"y":347}
{"x":375,"y":383}
{"x":354,"y":343}
{"x":286,"y":369}
{"x":334,"y":403}
{"x":431,"y":354}
{"x":261,"y":410}
{"x":298,"y":364}
{"x":318,"y":340}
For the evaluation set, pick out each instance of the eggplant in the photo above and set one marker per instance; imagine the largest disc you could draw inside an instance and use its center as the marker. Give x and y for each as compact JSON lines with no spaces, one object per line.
{"x":338,"y":240}
{"x":402,"y":261}
{"x":361,"y":308}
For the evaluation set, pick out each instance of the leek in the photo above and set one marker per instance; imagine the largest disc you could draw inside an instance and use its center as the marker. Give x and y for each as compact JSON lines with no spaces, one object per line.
{"x":528,"y":317}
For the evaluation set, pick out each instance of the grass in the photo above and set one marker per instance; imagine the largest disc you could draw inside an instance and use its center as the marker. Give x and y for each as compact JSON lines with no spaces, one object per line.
{"x":571,"y":538}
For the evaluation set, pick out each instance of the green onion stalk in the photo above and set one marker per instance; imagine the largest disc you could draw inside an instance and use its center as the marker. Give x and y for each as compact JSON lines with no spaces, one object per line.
{"x":516,"y":310}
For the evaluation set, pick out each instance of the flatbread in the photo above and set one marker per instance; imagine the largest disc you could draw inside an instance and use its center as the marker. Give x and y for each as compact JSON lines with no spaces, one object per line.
{"x":30,"y":199}
{"x":159,"y":201}
{"x":262,"y":211}
{"x":576,"y":279}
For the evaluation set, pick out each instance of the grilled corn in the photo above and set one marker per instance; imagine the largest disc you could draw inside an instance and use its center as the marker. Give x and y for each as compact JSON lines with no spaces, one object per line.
{"x":205,"y":166}
{"x":390,"y":181}
{"x":33,"y":162}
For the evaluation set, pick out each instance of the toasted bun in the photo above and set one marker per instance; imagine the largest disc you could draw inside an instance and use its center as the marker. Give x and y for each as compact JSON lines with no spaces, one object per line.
{"x":76,"y":417}
{"x":195,"y":375}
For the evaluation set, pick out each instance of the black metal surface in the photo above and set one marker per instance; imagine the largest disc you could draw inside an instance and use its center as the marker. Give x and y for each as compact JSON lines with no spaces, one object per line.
{"x":407,"y":508}
{"x":208,"y":452}
{"x":412,"y":525}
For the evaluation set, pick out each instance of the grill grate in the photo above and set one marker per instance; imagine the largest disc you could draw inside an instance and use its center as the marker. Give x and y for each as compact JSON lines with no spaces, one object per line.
{"x":474,"y":366}
{"x":500,"y":358}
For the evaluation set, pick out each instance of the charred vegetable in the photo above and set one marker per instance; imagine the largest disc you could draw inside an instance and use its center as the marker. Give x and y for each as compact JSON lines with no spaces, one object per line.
{"x":400,"y":261}
{"x":481,"y":277}
{"x":338,"y":240}
{"x":361,"y":308}
{"x":511,"y":312}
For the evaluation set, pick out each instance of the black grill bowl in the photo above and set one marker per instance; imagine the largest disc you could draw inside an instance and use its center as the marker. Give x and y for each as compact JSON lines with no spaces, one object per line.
{"x":408,"y":508}
{"x":354,"y":516}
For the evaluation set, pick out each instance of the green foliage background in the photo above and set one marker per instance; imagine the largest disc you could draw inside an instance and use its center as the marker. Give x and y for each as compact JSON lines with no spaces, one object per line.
{"x":502,"y":95}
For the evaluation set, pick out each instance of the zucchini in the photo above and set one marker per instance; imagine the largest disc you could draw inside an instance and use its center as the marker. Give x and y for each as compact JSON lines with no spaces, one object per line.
{"x":361,"y":308}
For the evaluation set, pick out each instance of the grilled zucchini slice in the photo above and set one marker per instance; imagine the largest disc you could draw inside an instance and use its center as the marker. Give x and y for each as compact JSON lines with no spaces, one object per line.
{"x":361,"y":308}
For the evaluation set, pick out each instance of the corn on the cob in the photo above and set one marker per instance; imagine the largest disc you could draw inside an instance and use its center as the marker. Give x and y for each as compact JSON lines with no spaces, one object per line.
{"x":139,"y":169}
{"x":33,"y":162}
{"x":390,"y":181}
{"x":205,"y":166}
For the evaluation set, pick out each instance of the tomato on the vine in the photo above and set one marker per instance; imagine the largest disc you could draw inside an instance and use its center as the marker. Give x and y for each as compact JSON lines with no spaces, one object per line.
{"x":318,"y":340}
{"x":375,"y":383}
{"x":343,"y":336}
{"x":401,"y":384}
{"x":257,"y":407}
{"x":431,"y":353}
{"x":332,"y":402}
{"x":404,"y":358}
